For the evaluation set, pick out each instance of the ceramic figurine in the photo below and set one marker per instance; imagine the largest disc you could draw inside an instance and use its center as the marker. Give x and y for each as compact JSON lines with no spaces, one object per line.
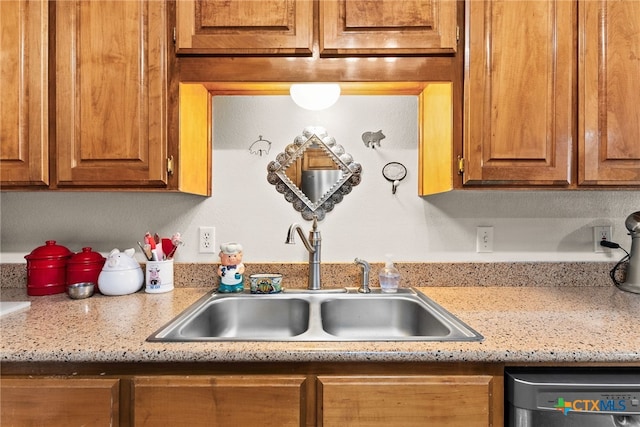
{"x":231,"y":268}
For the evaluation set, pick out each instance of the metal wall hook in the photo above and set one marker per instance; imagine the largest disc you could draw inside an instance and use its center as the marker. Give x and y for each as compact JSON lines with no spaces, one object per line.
{"x":394,"y":172}
{"x":371,"y":139}
{"x":260,"y":147}
{"x":394,"y":186}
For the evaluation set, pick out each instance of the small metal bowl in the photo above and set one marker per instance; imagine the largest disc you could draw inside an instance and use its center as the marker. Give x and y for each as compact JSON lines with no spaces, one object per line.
{"x":80,"y":290}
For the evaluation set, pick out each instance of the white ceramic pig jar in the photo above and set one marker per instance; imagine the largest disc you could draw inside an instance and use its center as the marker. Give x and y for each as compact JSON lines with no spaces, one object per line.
{"x":121,"y":274}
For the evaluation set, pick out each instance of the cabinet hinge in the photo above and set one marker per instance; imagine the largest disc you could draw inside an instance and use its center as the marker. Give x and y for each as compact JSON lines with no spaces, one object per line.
{"x":460,"y":165}
{"x":170,"y":165}
{"x":174,"y":35}
{"x":457,"y":33}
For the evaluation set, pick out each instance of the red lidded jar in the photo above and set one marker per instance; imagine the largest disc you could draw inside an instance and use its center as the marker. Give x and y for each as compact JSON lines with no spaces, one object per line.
{"x":85,"y":266}
{"x":47,"y":269}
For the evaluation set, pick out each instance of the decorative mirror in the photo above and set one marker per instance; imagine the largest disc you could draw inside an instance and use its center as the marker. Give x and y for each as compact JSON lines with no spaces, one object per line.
{"x":314,"y":173}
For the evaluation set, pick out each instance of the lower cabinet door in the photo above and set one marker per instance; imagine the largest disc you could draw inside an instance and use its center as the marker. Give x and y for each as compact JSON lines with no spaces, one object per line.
{"x":423,"y":400}
{"x":60,"y":402}
{"x":226,"y":400}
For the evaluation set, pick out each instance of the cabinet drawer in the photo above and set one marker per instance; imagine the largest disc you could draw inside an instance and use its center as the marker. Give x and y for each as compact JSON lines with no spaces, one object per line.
{"x":451,"y":400}
{"x":243,"y":400}
{"x":59,"y":402}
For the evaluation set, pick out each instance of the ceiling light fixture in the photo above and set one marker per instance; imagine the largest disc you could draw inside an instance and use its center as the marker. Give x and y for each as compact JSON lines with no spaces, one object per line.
{"x":315,"y":96}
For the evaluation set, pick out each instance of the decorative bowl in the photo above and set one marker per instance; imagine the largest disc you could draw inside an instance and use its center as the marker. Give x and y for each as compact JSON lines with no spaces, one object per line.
{"x":266,"y":283}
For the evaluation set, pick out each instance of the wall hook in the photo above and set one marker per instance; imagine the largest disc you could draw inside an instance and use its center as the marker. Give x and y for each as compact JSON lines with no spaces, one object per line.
{"x":371,"y":139}
{"x":260,"y":147}
{"x":394,"y":172}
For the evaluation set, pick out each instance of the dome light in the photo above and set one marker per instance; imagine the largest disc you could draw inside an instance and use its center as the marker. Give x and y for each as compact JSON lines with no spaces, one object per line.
{"x":315,"y":96}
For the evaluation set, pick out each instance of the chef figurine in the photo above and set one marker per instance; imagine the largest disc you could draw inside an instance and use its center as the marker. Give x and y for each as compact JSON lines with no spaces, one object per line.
{"x":231,"y":268}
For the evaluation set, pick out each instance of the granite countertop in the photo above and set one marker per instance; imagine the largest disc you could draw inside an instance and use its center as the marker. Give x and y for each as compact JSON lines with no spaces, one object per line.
{"x":520,"y":325}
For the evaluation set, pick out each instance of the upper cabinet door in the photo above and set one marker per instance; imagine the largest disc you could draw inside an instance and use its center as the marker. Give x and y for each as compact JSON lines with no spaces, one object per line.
{"x":111,"y":84}
{"x":609,"y":126}
{"x":387,"y":27}
{"x":519,"y":92}
{"x":24,"y":135}
{"x":244,"y":27}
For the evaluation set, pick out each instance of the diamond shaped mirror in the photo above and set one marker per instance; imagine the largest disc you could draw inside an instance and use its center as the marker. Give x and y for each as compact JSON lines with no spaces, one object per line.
{"x":314,"y":173}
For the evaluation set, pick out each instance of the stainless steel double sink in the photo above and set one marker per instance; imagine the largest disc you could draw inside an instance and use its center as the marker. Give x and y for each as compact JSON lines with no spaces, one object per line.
{"x":345,"y":315}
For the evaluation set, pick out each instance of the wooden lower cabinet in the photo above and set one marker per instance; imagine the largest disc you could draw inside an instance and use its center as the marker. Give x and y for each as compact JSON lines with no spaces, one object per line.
{"x":442,"y":400}
{"x":233,"y":401}
{"x":247,"y":395}
{"x":60,"y":402}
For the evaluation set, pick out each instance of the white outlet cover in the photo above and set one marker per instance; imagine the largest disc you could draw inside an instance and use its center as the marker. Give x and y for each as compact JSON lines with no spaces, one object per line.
{"x":601,"y":232}
{"x":206,"y":246}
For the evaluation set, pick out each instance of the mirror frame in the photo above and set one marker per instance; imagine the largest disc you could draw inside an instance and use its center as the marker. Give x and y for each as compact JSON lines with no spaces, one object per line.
{"x":276,"y":175}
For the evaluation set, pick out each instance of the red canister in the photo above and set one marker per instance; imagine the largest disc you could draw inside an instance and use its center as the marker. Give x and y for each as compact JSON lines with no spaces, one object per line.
{"x":47,"y":269}
{"x":85,"y":266}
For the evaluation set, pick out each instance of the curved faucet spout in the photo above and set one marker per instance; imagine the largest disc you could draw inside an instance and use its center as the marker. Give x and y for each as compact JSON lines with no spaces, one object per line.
{"x":291,"y":237}
{"x":312,"y":244}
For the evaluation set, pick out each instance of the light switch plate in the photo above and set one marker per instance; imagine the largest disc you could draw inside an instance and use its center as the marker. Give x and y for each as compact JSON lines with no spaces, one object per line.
{"x":484,"y":239}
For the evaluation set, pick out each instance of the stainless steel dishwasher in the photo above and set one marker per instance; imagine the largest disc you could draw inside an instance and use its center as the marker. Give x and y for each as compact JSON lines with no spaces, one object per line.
{"x":595,"y":397}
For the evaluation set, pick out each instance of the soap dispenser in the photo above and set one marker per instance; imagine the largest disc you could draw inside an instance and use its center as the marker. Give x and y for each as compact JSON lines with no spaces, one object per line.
{"x":389,"y":277}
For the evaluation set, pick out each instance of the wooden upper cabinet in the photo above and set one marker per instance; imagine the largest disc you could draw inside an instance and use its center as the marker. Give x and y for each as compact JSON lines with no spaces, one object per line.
{"x":244,"y":27}
{"x":111,"y":93}
{"x":286,"y":27}
{"x":520,"y":80}
{"x":609,"y":87}
{"x":24,"y":135}
{"x":387,"y":27}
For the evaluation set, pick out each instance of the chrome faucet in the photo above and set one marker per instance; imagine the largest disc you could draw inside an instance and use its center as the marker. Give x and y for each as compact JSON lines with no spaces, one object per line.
{"x":313,"y":247}
{"x":364,"y":289}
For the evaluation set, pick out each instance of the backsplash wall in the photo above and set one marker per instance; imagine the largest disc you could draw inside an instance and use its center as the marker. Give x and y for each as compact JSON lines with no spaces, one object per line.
{"x":369,"y":222}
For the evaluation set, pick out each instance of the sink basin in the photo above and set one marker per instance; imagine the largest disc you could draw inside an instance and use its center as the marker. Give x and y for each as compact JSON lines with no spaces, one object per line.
{"x":249,"y":318}
{"x":387,"y":318}
{"x":316,"y":316}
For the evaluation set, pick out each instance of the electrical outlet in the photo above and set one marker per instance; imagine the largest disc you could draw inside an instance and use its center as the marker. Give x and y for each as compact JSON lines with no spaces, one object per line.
{"x":207,"y":240}
{"x":601,"y":232}
{"x":484,"y":239}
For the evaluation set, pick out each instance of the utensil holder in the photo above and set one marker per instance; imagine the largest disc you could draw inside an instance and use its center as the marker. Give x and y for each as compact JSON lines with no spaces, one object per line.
{"x":158,"y":276}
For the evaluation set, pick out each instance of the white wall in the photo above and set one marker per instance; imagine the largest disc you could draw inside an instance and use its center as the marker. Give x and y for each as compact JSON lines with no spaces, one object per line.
{"x":528,"y":225}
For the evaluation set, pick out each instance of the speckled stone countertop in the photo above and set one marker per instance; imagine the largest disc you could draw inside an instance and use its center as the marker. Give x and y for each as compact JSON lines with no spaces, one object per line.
{"x":567,"y":324}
